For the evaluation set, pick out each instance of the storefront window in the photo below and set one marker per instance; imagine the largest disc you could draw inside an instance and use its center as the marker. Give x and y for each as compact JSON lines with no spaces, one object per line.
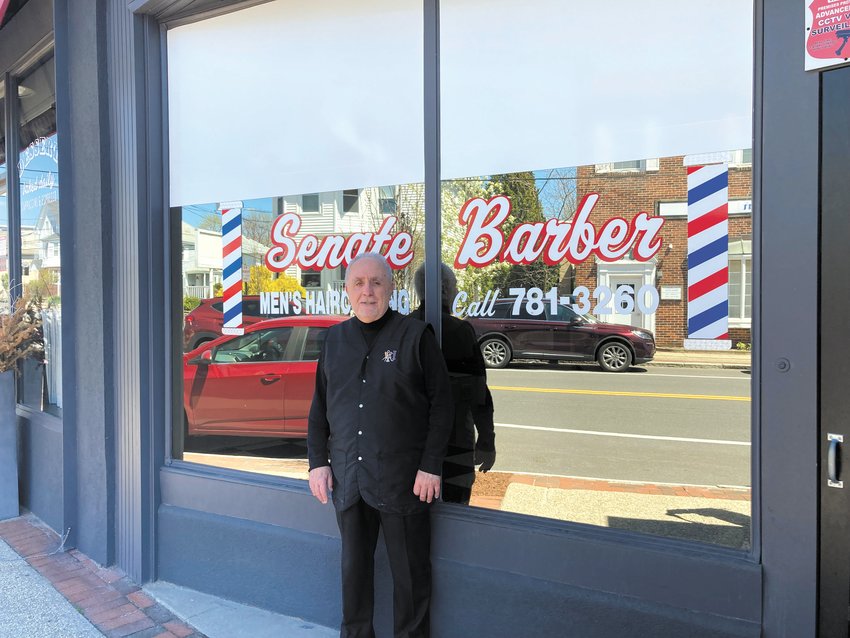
{"x":596,"y":215}
{"x":600,"y":254}
{"x":38,"y":171}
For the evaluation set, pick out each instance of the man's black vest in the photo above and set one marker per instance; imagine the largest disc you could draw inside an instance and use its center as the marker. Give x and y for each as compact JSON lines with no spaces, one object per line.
{"x":377,"y":409}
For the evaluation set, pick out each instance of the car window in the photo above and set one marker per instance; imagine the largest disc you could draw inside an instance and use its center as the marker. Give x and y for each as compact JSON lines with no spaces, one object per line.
{"x":504,"y":310}
{"x":264,"y":345}
{"x":313,"y":343}
{"x":237,"y":349}
{"x":273,"y":343}
{"x":501,"y":311}
{"x":522,"y":313}
{"x":251,"y":307}
{"x":565,"y":314}
{"x":218,"y":306}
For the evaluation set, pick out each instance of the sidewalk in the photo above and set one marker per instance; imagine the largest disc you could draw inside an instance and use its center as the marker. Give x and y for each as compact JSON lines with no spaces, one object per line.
{"x":47,"y":592}
{"x":679,"y":357}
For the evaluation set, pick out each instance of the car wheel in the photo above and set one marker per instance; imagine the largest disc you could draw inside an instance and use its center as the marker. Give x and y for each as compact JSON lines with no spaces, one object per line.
{"x":496,"y":353}
{"x":614,"y":356}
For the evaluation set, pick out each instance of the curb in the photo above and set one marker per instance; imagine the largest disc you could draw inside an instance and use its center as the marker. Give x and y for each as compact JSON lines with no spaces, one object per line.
{"x":107,"y":597}
{"x":698,"y":364}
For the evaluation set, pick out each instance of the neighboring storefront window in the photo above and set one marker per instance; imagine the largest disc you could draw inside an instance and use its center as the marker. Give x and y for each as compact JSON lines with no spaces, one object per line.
{"x":4,"y":214}
{"x":41,"y":266}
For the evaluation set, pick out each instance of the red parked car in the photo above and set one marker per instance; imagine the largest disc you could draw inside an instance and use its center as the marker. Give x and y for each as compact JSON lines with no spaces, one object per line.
{"x":204,"y":322}
{"x":257,"y":384}
{"x":564,"y":336}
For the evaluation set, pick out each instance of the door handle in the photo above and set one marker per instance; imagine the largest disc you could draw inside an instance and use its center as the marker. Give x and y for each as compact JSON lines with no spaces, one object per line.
{"x":833,"y":460}
{"x":269,"y":379}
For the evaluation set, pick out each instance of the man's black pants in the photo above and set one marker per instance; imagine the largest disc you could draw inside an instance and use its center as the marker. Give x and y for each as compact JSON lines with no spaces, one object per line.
{"x":408,"y":542}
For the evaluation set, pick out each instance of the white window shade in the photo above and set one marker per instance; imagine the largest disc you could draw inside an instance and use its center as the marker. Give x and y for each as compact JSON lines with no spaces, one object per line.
{"x":298,"y":96}
{"x":552,"y":83}
{"x":295,"y":97}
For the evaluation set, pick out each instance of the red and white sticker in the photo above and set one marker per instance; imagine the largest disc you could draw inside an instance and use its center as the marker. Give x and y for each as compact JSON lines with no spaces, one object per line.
{"x":827,"y":33}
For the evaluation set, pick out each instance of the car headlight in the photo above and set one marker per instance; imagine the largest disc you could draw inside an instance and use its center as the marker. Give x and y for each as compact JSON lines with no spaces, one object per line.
{"x":643,"y":334}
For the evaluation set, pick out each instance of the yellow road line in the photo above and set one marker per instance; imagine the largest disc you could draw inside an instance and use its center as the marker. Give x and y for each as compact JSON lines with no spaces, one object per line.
{"x":613,"y":393}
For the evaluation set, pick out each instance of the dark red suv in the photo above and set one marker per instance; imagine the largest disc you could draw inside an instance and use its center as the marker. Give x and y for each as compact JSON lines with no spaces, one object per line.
{"x":204,"y":323}
{"x":566,"y":336}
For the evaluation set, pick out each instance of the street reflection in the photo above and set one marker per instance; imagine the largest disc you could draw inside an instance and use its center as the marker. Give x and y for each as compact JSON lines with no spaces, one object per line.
{"x":610,"y":387}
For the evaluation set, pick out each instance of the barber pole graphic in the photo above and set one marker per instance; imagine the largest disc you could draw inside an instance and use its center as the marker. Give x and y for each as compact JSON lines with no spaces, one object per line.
{"x":708,"y":258}
{"x":231,"y":251}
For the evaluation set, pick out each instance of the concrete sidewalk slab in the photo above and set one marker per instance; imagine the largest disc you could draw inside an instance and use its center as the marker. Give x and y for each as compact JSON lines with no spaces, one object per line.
{"x":32,"y":608}
{"x":220,"y":618}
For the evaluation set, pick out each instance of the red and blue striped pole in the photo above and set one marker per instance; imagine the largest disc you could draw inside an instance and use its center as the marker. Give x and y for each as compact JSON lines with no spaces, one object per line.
{"x":231,"y":251}
{"x":708,"y":257}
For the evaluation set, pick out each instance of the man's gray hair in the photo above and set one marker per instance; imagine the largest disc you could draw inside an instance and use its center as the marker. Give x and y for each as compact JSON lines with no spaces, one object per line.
{"x":448,"y":283}
{"x":377,"y":257}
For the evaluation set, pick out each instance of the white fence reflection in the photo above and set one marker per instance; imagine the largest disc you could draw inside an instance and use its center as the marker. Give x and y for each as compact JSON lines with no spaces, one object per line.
{"x":52,"y":325}
{"x":201,"y":292}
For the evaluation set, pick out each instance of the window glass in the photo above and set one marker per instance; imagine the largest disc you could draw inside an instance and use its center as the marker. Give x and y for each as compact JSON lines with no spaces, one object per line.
{"x":557,"y":200}
{"x":256,"y":347}
{"x":736,"y":288}
{"x":388,"y":201}
{"x":551,"y":204}
{"x":563,"y":313}
{"x":38,"y":171}
{"x":350,"y":201}
{"x":310,"y":203}
{"x":637,"y":354}
{"x":301,"y":193}
{"x":311,"y":279}
{"x":313,"y":343}
{"x":4,"y":214}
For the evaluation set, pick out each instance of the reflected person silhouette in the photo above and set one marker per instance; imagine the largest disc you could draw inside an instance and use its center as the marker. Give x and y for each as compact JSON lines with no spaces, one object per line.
{"x":472,"y":398}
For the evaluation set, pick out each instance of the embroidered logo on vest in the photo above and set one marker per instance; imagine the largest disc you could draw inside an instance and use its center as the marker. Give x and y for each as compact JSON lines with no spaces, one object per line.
{"x":389,"y":356}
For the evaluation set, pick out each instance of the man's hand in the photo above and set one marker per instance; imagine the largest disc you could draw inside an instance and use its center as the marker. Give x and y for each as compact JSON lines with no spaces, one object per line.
{"x":485,"y":458}
{"x":321,"y":483}
{"x":426,"y":486}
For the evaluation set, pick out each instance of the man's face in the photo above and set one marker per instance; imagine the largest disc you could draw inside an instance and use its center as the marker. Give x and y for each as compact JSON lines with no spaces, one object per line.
{"x":368,"y":289}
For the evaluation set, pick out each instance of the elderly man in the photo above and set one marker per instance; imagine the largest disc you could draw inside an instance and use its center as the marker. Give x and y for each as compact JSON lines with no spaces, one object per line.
{"x":378,"y":428}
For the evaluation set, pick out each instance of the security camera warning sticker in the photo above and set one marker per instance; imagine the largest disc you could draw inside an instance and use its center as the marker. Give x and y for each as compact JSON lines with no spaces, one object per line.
{"x":827,"y":33}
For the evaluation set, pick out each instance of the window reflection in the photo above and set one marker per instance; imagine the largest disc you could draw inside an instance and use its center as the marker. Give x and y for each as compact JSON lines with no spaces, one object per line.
{"x":263,"y":280}
{"x":573,"y":385}
{"x":570,"y":275}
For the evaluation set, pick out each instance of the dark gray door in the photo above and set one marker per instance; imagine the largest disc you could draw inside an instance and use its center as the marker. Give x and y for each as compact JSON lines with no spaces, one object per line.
{"x":834,"y":434}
